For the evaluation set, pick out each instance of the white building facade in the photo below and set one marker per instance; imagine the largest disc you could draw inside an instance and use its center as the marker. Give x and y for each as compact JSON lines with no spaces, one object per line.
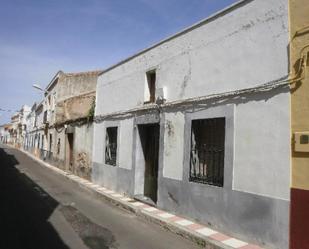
{"x":198,"y":124}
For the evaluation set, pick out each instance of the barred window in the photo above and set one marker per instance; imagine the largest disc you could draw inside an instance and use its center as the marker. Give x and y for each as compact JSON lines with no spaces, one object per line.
{"x":207,"y":151}
{"x":111,"y":146}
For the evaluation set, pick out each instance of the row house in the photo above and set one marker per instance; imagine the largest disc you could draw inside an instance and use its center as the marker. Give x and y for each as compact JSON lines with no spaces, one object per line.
{"x":73,"y":126}
{"x":34,"y":131}
{"x":19,"y":127}
{"x":5,"y":133}
{"x":211,"y":123}
{"x":200,"y":123}
{"x":60,"y":126}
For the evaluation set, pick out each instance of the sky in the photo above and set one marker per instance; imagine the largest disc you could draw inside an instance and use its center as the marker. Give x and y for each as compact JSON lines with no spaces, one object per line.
{"x":40,"y":37}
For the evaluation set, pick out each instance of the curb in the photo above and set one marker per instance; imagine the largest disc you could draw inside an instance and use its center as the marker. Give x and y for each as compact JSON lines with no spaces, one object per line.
{"x":197,"y":233}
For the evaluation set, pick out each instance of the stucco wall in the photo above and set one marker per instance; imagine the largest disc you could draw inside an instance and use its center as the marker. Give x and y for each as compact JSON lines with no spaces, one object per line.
{"x":173,"y":145}
{"x":120,"y":177}
{"x":59,"y":158}
{"x":75,"y":107}
{"x":240,"y":49}
{"x":299,"y":49}
{"x":75,"y":84}
{"x":243,"y":48}
{"x":83,"y":142}
{"x":255,"y":195}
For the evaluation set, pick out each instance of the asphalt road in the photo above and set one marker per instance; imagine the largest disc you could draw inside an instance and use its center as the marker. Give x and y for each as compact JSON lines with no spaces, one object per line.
{"x":40,"y":209}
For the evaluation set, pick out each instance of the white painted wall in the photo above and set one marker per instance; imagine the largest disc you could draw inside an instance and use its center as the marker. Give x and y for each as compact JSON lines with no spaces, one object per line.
{"x":243,"y":48}
{"x":126,"y":144}
{"x":262,"y":147}
{"x":173,"y":146}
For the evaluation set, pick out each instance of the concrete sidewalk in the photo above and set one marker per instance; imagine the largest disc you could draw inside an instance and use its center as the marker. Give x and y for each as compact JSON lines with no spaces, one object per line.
{"x":200,"y":234}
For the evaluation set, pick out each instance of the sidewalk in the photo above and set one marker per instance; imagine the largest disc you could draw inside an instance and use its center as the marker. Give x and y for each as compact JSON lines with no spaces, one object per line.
{"x":200,"y":234}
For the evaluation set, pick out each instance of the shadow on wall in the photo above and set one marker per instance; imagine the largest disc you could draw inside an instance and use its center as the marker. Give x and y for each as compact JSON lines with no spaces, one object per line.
{"x":24,"y":211}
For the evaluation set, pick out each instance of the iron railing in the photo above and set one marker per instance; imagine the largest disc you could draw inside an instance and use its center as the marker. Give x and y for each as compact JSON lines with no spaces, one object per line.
{"x":207,"y":151}
{"x":111,"y":146}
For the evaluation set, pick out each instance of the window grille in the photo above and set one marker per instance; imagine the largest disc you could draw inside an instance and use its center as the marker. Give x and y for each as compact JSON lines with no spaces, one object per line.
{"x":111,"y":146}
{"x":207,"y":151}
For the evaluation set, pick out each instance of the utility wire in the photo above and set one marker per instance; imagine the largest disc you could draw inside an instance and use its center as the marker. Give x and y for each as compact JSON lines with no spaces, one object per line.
{"x":7,"y":110}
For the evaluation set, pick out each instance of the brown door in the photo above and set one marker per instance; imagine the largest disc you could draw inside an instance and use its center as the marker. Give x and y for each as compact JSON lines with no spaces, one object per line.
{"x":69,"y":151}
{"x":149,"y":135}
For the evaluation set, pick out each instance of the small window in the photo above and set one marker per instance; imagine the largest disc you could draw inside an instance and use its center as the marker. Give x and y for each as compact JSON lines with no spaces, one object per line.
{"x":150,"y":88}
{"x":207,"y":151}
{"x":304,"y":139}
{"x":111,"y":146}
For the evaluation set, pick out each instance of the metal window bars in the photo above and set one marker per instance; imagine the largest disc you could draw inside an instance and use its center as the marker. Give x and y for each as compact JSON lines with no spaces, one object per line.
{"x":207,"y":151}
{"x":111,"y":146}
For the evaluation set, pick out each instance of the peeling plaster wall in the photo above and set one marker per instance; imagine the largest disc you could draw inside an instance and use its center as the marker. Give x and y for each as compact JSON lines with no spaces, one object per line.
{"x":75,"y":95}
{"x":59,"y":159}
{"x":74,"y":107}
{"x":71,"y":86}
{"x":83,"y":141}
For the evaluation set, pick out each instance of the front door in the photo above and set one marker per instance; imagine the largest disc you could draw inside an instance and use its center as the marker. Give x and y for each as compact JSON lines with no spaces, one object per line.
{"x":149,"y":137}
{"x":69,"y":152}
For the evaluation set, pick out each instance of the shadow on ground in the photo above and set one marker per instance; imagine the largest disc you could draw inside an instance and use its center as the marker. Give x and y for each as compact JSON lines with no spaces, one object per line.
{"x":24,"y":210}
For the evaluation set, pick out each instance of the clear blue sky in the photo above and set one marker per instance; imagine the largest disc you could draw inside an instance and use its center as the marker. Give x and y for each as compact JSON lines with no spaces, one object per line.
{"x":40,"y":37}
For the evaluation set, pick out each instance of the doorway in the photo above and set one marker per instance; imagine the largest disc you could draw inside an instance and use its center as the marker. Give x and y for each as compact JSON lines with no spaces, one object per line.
{"x":69,"y":151}
{"x":149,"y":135}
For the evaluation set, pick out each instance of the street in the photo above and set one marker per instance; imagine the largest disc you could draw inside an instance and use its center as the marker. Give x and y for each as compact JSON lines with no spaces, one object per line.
{"x":41,"y":209}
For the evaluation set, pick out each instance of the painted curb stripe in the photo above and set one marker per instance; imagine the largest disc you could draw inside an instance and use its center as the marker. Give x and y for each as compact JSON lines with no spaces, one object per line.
{"x":195,"y":226}
{"x":175,"y":218}
{"x":137,"y":204}
{"x":151,"y":209}
{"x":250,"y":247}
{"x":166,"y":215}
{"x":184,"y":222}
{"x":219,"y":237}
{"x":109,"y":192}
{"x":206,"y":231}
{"x":235,"y":243}
{"x":126,"y":199}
